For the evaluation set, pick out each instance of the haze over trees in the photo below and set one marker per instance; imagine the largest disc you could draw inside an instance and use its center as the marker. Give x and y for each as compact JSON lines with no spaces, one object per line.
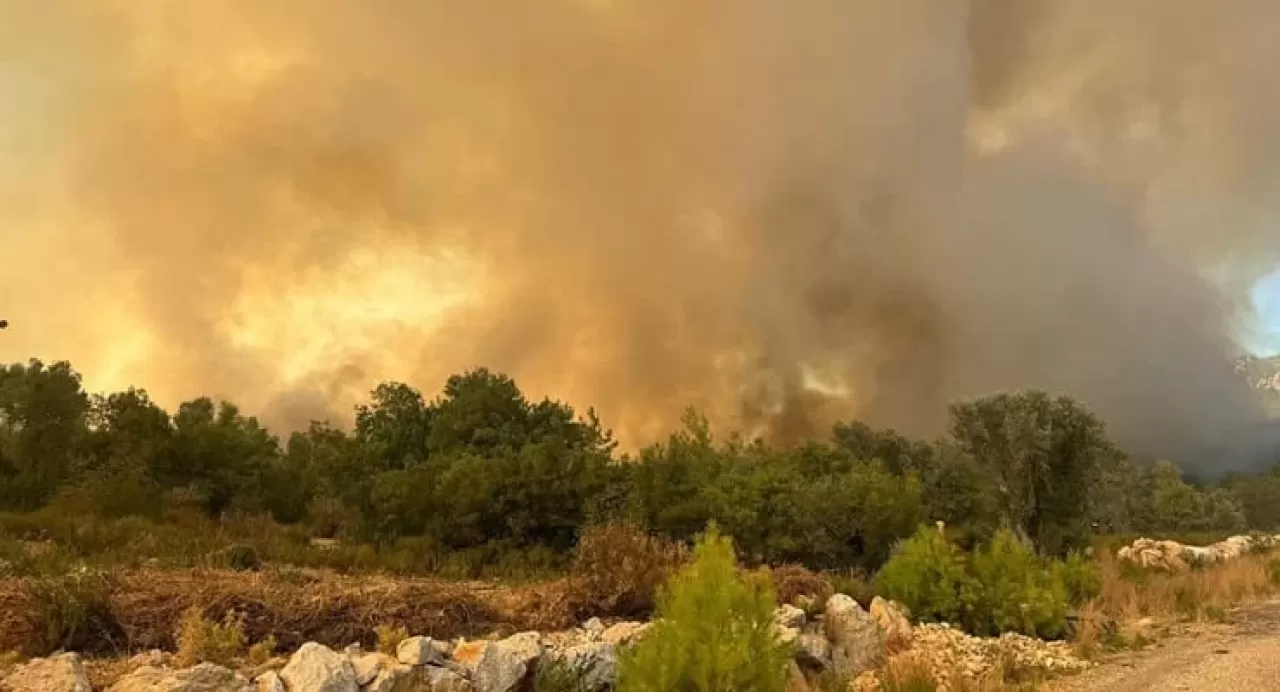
{"x":481,"y":467}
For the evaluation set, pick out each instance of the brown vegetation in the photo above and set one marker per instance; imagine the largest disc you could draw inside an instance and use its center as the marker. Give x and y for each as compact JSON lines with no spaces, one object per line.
{"x":146,"y":606}
{"x":618,"y":569}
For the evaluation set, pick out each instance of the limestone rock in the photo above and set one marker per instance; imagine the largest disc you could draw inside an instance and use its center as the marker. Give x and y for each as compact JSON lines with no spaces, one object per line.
{"x":205,"y":677}
{"x":596,"y":661}
{"x":593,"y":629}
{"x":813,"y":651}
{"x":367,"y":666}
{"x":269,"y":682}
{"x":789,"y":616}
{"x":445,"y":680}
{"x":316,"y":668}
{"x":395,"y":677}
{"x":857,"y":644}
{"x":470,"y":654}
{"x":625,"y":633}
{"x":419,"y":651}
{"x":506,"y":663}
{"x":894,"y":622}
{"x":61,"y":673}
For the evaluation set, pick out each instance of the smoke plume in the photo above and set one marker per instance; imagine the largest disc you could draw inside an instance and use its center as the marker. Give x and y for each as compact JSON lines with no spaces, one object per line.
{"x":781,"y":214}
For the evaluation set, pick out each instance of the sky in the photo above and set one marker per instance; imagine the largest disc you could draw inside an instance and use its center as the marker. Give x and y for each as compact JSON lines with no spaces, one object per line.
{"x":1266,"y":305}
{"x":782,"y":218}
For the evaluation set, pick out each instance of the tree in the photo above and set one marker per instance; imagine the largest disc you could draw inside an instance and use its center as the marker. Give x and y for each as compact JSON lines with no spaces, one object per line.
{"x":1045,"y":455}
{"x":42,"y":429}
{"x":221,"y":455}
{"x":714,"y":631}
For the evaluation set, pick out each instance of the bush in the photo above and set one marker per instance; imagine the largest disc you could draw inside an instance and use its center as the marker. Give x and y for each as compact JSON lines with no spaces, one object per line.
{"x":201,"y":640}
{"x":926,"y":574}
{"x":1011,"y":590}
{"x":73,"y":613}
{"x":389,"y":638}
{"x":559,"y":675}
{"x":618,"y":569}
{"x":792,"y":581}
{"x":243,"y":558}
{"x":715,"y":631}
{"x":1080,"y":577}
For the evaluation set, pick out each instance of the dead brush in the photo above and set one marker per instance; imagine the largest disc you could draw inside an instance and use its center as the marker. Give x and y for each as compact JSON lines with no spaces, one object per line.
{"x":201,"y":640}
{"x":1203,"y":594}
{"x":617,"y":570}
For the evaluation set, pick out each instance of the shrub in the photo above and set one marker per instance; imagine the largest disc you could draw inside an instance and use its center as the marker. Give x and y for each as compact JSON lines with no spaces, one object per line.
{"x":793,"y":581}
{"x":1011,"y":590}
{"x":715,"y":632}
{"x":618,"y":569}
{"x":201,"y":640}
{"x":243,"y":558}
{"x":1080,"y":577}
{"x":262,"y":652}
{"x":73,"y":613}
{"x":559,"y":675}
{"x":926,"y":574}
{"x":389,"y":638}
{"x":854,"y":584}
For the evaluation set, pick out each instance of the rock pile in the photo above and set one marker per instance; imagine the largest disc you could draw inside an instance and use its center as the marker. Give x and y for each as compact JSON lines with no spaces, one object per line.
{"x":1174,"y":556}
{"x":957,"y":660}
{"x":843,"y":639}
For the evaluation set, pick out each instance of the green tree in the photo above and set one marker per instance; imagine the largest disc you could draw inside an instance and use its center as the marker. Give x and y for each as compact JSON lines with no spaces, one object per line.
{"x":714,"y":632}
{"x":221,"y":455}
{"x":43,"y":413}
{"x":1045,"y":455}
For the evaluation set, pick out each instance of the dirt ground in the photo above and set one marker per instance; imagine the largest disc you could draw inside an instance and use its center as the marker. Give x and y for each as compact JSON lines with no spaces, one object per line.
{"x":1240,"y":656}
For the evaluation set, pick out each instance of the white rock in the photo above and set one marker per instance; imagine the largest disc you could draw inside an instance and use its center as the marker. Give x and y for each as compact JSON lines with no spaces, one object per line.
{"x":445,"y":680}
{"x":894,"y":622}
{"x":270,"y":682}
{"x":368,"y":665}
{"x":857,"y":644}
{"x":396,"y":677}
{"x":316,"y":668}
{"x":61,"y":673}
{"x":813,"y":651}
{"x":506,"y":663}
{"x":205,"y":677}
{"x":786,"y":635}
{"x":789,"y":616}
{"x":419,"y":651}
{"x":625,"y":633}
{"x":597,"y":662}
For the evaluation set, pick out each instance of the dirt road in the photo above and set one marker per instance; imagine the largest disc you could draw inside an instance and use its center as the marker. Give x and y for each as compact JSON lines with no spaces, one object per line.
{"x":1243,"y":656}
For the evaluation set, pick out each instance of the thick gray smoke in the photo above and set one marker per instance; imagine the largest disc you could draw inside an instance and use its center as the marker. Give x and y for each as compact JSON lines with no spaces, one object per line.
{"x":781,"y":214}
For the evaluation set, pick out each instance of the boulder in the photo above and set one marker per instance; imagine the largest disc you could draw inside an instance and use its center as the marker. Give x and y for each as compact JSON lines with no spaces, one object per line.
{"x":596,"y":661}
{"x":625,"y":633}
{"x":857,"y":643}
{"x":421,"y":651}
{"x":593,"y":628}
{"x":317,"y":668}
{"x":893,"y":621}
{"x":205,"y":677}
{"x":445,"y":680}
{"x":813,"y":651}
{"x":789,"y":616}
{"x":469,"y":654}
{"x":506,"y":663}
{"x":61,"y":673}
{"x":269,"y":682}
{"x":786,"y":635}
{"x":396,"y":677}
{"x":368,"y":665}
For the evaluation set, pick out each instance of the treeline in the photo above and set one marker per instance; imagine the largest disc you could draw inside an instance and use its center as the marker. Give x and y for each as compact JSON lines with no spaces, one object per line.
{"x":482,"y":467}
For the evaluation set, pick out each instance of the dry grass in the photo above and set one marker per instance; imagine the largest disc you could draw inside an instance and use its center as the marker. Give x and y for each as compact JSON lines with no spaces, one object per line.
{"x":203,"y":640}
{"x":618,"y":569}
{"x":389,"y":638}
{"x":1130,"y":594}
{"x":792,"y":581}
{"x":146,"y":606}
